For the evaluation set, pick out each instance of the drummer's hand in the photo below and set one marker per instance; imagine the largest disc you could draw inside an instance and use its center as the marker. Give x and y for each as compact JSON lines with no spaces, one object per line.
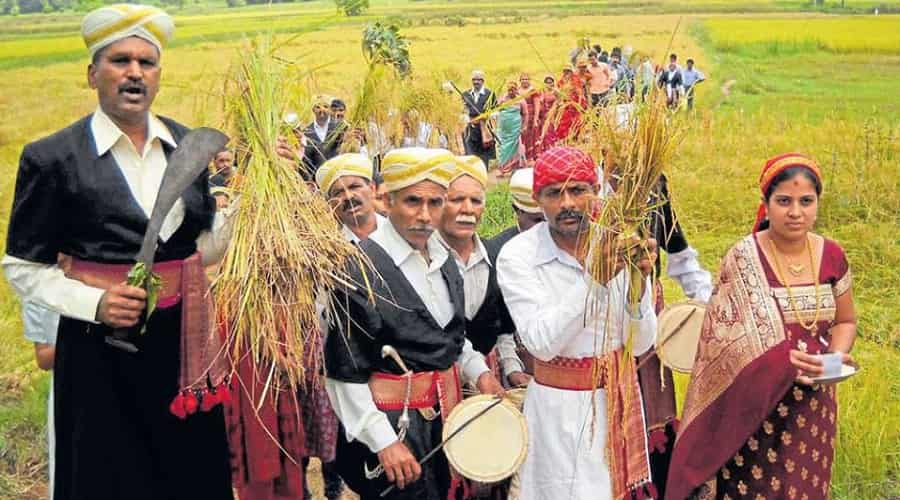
{"x":648,"y":257}
{"x":400,"y":466}
{"x":518,"y":379}
{"x":488,"y":384}
{"x":121,"y":306}
{"x":808,"y":366}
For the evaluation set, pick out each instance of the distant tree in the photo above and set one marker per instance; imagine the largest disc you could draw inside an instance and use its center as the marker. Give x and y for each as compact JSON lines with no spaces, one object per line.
{"x":352,"y":7}
{"x":236,"y":3}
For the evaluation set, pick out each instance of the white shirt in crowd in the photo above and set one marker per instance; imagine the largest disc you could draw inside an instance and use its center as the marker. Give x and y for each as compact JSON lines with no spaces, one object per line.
{"x":321,"y":130}
{"x":46,"y":284}
{"x":476,"y":273}
{"x":352,"y":402}
{"x":352,"y":237}
{"x":551,"y":302}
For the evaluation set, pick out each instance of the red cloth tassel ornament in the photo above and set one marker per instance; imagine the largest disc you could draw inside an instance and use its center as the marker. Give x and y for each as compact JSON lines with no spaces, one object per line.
{"x":651,"y":491}
{"x":190,"y":403}
{"x":224,"y":394}
{"x":658,"y":441}
{"x":209,"y":400}
{"x":176,"y":407}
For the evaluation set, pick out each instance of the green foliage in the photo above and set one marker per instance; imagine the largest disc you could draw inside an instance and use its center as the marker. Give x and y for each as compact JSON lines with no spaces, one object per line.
{"x":383,"y":44}
{"x":352,"y":7}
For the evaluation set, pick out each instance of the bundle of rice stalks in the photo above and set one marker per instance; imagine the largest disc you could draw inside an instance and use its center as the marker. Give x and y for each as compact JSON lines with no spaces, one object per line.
{"x":635,"y":149}
{"x":286,"y":249}
{"x":425,"y":101}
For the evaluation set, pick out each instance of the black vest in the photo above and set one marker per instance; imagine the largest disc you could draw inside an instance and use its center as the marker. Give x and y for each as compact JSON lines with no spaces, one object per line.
{"x":492,"y":318}
{"x":68,"y":200}
{"x":398,"y":317}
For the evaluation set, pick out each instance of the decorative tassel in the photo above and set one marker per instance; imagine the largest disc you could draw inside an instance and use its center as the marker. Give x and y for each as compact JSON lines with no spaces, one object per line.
{"x":652,"y":491}
{"x":190,"y":403}
{"x":658,"y":441}
{"x":224,"y":394}
{"x":639,"y":493}
{"x":176,"y":407}
{"x":209,"y":400}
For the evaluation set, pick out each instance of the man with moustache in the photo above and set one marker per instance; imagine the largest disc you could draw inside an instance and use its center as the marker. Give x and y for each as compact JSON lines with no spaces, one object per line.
{"x":87,"y":191}
{"x":488,"y":324}
{"x":576,"y":330}
{"x":346,"y":181}
{"x":411,"y":299}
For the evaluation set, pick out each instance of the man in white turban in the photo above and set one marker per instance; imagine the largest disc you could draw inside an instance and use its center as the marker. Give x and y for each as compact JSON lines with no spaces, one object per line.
{"x":346,"y":180}
{"x":418,"y":308}
{"x":128,"y":424}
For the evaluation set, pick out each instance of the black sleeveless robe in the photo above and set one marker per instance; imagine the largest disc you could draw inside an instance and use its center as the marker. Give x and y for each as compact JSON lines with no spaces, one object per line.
{"x":115,"y":438}
{"x":399,"y":318}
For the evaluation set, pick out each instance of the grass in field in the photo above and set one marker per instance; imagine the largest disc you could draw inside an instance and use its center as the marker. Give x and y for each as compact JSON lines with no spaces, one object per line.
{"x":841,"y":108}
{"x":864,"y":34}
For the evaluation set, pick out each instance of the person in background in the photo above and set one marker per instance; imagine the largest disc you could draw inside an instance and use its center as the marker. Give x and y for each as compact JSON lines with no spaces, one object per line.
{"x":39,"y":325}
{"x":670,"y":79}
{"x":531,"y":127}
{"x":690,"y":77}
{"x":338,"y":110}
{"x":478,"y":139}
{"x":646,"y":76}
{"x":321,"y":139}
{"x":600,"y":80}
{"x":527,"y":211}
{"x":223,"y":168}
{"x":546,"y":126}
{"x":511,"y":121}
{"x":755,"y":421}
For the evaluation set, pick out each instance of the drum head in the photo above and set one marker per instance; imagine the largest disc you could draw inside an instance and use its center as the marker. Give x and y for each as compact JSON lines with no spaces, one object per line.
{"x":679,"y":334}
{"x":493,"y":446}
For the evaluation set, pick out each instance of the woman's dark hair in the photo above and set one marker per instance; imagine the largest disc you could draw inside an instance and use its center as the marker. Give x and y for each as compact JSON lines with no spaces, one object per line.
{"x":788,"y":174}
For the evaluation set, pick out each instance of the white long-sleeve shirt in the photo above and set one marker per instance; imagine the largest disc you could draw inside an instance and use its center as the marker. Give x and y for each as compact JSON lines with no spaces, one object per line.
{"x":686,"y":270}
{"x":551,"y":302}
{"x":353,"y":403}
{"x":48,"y":286}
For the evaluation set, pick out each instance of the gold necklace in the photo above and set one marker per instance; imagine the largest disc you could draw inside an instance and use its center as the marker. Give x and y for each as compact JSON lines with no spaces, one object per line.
{"x":812,"y":328}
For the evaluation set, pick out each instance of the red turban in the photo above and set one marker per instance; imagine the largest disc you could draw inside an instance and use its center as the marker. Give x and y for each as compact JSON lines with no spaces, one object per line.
{"x":775,"y":166}
{"x":561,"y":164}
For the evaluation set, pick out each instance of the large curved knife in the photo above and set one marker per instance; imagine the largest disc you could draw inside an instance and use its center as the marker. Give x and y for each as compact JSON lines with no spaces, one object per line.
{"x":193,"y":154}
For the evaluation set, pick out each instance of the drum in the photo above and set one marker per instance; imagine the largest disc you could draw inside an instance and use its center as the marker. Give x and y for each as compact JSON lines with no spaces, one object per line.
{"x":493,"y":446}
{"x":679,"y":334}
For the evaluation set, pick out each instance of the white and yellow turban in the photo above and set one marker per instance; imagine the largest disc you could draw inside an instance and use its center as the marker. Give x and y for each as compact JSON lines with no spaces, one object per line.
{"x":355,"y":164}
{"x":404,"y":167}
{"x":520,"y":187}
{"x":473,"y":167}
{"x":112,"y":23}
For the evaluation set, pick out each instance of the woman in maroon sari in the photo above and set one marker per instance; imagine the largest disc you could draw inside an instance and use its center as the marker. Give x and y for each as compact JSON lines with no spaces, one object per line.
{"x":754,"y":424}
{"x":567,"y":115}
{"x":544,"y":126}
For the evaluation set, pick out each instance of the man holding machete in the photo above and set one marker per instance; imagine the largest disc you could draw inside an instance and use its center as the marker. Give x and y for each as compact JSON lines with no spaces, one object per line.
{"x":87,"y":191}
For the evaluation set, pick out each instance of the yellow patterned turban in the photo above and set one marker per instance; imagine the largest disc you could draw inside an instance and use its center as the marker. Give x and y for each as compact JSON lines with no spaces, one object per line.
{"x":473,"y":167}
{"x":354,"y":164}
{"x":520,"y":187}
{"x":112,"y":23}
{"x":404,"y":167}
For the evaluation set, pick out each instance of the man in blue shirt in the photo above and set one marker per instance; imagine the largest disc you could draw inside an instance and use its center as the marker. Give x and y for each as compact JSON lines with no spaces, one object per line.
{"x":690,"y":77}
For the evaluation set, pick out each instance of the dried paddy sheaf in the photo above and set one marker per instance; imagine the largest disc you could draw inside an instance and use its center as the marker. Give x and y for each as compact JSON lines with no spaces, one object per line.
{"x":287,"y":251}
